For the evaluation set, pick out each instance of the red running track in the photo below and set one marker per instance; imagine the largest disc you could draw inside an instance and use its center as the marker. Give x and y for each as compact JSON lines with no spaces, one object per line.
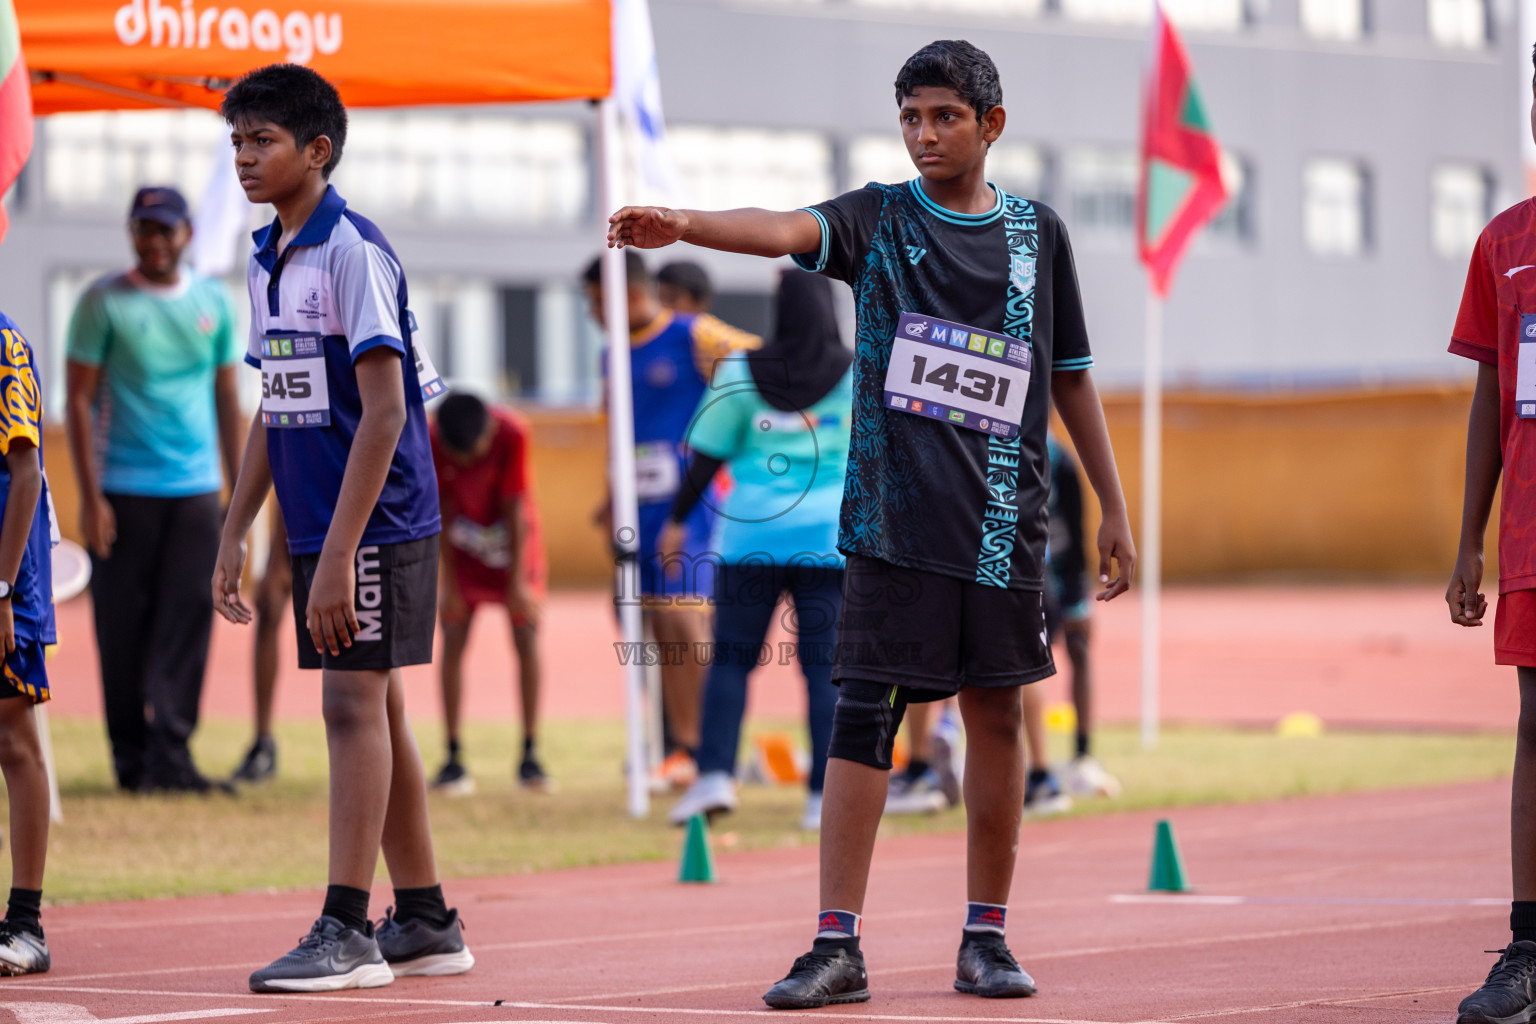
{"x":1362,"y":656}
{"x":1358,"y":909}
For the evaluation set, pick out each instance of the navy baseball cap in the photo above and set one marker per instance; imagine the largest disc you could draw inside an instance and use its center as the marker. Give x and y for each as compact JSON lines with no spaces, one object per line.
{"x":161,"y":204}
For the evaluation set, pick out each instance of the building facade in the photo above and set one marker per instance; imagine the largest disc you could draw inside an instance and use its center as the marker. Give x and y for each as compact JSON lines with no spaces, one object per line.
{"x":1367,"y":141}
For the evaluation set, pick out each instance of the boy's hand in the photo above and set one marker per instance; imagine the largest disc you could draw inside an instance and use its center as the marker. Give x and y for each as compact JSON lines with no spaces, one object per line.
{"x":98,"y":525}
{"x":330,"y":616}
{"x":521,"y":603}
{"x":646,"y":227}
{"x":1115,"y":543}
{"x":451,"y":605}
{"x":226,"y":583}
{"x":1467,"y":605}
{"x":8,"y":626}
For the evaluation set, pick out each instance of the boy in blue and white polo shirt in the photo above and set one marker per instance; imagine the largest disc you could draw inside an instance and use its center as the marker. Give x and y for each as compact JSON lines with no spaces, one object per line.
{"x":344,"y":440}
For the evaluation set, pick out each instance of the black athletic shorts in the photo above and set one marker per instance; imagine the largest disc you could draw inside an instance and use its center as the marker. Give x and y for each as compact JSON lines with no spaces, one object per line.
{"x":934,"y":634}
{"x":395,"y":603}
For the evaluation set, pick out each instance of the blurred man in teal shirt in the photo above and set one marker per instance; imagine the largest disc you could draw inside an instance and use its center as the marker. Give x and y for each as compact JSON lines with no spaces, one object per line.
{"x":151,"y":405}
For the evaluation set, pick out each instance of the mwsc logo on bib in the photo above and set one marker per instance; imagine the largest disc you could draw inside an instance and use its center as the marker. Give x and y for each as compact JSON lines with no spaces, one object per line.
{"x":185,"y":27}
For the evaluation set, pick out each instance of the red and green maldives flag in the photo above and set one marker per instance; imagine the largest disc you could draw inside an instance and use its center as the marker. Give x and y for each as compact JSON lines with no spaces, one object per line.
{"x":15,"y":105}
{"x":1181,"y":186}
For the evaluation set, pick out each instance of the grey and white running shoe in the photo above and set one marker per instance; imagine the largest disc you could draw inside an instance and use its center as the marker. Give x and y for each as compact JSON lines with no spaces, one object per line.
{"x":330,"y":958}
{"x":21,"y":952}
{"x":415,"y":949}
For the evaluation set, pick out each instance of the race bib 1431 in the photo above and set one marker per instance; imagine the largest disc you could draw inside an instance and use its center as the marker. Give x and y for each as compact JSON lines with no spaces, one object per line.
{"x":962,"y":375}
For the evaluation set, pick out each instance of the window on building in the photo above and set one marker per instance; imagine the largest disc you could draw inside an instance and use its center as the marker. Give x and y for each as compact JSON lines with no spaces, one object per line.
{"x":99,"y":160}
{"x":1333,"y":19}
{"x":1019,"y":167}
{"x":1235,"y":221}
{"x":446,"y":166}
{"x":723,"y":168}
{"x":1461,"y":201}
{"x":1335,"y":207}
{"x":1201,"y":15}
{"x":1101,"y":190}
{"x":1459,"y":22}
{"x":1010,"y":7}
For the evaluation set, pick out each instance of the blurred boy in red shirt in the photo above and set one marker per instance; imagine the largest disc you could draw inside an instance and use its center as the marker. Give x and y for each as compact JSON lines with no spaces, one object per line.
{"x":492,"y":553}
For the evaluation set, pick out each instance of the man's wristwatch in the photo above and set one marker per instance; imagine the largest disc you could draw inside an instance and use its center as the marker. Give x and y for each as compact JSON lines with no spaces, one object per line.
{"x":6,"y":590}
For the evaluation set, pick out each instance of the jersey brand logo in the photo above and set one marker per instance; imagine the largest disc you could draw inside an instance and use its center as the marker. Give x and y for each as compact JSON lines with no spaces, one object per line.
{"x":1512,"y":271}
{"x":370,"y":595}
{"x":915,"y":254}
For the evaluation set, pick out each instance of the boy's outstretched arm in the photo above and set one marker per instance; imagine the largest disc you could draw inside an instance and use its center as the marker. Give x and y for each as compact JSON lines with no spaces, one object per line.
{"x":1077,"y":401}
{"x":754,"y":232}
{"x":1485,"y":461}
{"x":245,"y":500}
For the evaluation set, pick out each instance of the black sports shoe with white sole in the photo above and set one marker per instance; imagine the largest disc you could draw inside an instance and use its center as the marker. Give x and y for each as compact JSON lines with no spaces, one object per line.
{"x":1509,"y":994}
{"x":985,"y":968}
{"x":415,"y":949}
{"x":330,"y":958}
{"x":821,"y":978}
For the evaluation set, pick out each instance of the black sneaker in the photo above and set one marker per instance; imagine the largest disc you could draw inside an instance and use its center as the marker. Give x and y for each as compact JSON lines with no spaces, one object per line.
{"x":453,"y":780}
{"x":260,"y":762}
{"x":1509,"y":994}
{"x":330,"y":958}
{"x":186,"y":780}
{"x":415,"y":949}
{"x":985,"y":968}
{"x":821,"y":979}
{"x":530,"y":775}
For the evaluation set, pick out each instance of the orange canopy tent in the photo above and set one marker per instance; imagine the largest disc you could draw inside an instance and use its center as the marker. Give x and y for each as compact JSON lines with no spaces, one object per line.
{"x":125,"y":54}
{"x":95,"y":54}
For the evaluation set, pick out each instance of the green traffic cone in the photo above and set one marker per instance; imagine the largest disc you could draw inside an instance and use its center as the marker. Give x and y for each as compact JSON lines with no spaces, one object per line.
{"x":698,"y":864}
{"x":1167,"y":865}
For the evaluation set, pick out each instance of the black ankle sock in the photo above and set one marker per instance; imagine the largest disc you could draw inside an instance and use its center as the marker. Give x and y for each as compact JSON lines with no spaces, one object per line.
{"x":850,"y":944}
{"x":453,"y":751}
{"x":1522,"y":920}
{"x":25,"y":910}
{"x":347,"y":905}
{"x":1036,"y":774}
{"x":424,"y":904}
{"x":916,"y":768}
{"x":527,"y":747}
{"x":1082,"y":744}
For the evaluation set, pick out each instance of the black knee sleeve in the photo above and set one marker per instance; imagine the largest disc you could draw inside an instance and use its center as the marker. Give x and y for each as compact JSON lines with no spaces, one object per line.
{"x":865,"y":722}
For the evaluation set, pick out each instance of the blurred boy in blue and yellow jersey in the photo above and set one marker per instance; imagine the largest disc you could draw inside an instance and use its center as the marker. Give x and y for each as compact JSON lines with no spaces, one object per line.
{"x":672,"y":357}
{"x":27,"y":534}
{"x":152,"y":406}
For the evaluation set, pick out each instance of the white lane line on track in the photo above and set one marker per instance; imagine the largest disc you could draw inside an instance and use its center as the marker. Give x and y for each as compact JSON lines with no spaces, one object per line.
{"x":381,"y":1001}
{"x":1196,"y":899}
{"x":1060,"y":954}
{"x":1339,"y":1001}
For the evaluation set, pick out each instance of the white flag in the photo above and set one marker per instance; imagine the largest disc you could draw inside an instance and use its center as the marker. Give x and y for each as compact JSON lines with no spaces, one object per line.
{"x":650,"y":173}
{"x":221,"y":218}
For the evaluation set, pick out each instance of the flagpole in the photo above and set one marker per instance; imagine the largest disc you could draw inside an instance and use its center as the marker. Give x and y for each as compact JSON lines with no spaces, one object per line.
{"x":1151,"y":568}
{"x":621,"y":471}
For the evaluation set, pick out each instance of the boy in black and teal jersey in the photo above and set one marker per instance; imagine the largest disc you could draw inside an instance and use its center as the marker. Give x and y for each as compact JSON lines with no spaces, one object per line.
{"x":969,"y":326}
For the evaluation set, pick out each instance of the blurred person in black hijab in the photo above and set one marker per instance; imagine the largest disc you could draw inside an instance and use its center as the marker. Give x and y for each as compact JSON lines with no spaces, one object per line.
{"x":779,"y":416}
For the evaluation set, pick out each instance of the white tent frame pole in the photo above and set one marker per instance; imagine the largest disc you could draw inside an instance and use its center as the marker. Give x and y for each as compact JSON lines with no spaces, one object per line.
{"x":1151,"y":521}
{"x":621,"y":469}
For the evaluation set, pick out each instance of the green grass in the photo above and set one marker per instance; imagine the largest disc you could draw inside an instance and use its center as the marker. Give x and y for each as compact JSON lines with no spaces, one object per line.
{"x":113,"y":846}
